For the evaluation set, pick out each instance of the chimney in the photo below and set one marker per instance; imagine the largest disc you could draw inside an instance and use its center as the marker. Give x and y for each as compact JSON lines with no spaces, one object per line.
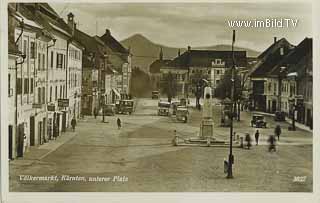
{"x":108,"y":32}
{"x":189,"y":48}
{"x":179,"y":52}
{"x":71,"y":23}
{"x":274,"y":40}
{"x":37,"y":6}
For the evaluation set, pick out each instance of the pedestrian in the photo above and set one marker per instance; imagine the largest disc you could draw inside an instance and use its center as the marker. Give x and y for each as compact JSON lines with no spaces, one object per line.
{"x":256,"y":135}
{"x":119,"y":123}
{"x":248,"y":140}
{"x":272,"y":143}
{"x":277,"y":131}
{"x":73,"y":124}
{"x":95,"y":112}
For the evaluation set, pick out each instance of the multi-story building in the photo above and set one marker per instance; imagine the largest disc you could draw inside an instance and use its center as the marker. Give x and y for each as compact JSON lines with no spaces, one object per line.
{"x":120,"y":58}
{"x":195,"y":66}
{"x":265,"y":86}
{"x":42,"y":104}
{"x":154,"y":70}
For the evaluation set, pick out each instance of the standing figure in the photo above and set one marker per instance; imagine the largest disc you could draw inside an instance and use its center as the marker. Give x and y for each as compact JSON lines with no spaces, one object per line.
{"x":272,"y":143}
{"x":277,"y":131}
{"x":95,"y":112}
{"x":256,"y":136}
{"x":73,"y":124}
{"x":248,"y":140}
{"x":119,"y":123}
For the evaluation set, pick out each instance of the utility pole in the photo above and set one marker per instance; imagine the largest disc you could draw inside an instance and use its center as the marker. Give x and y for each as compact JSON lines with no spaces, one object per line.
{"x":231,"y":158}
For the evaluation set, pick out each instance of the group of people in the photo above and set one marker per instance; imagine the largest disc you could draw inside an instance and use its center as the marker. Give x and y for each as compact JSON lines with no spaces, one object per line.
{"x":271,"y":140}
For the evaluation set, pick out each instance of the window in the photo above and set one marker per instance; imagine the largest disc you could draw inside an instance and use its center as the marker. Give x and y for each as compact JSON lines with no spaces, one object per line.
{"x":56,"y":93}
{"x":50,"y":99}
{"x":209,"y":72}
{"x":51,"y":65}
{"x":39,"y":95}
{"x":64,"y":61}
{"x":31,"y":86}
{"x":19,"y":86}
{"x":39,"y":61}
{"x":281,"y":51}
{"x":59,"y":60}
{"x":60,"y":91}
{"x":26,"y":86}
{"x":43,"y":95}
{"x":32,"y":50}
{"x":43,"y":62}
{"x":218,"y":72}
{"x":9,"y":84}
{"x":25,"y":47}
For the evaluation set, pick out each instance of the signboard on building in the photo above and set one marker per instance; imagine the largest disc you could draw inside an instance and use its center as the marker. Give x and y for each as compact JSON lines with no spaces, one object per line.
{"x":63,"y":102}
{"x":36,"y":106}
{"x":51,"y":107}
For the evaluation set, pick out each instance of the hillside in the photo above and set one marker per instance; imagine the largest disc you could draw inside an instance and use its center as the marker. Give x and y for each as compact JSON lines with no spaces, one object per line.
{"x":145,"y":51}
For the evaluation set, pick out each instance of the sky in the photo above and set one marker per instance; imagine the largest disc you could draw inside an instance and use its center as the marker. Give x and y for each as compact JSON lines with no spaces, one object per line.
{"x":191,"y":24}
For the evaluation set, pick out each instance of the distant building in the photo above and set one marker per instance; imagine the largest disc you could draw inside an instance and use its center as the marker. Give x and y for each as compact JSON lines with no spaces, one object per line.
{"x":194,"y":66}
{"x":154,"y":70}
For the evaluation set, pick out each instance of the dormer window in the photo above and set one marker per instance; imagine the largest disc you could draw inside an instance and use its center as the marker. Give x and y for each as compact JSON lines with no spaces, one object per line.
{"x":281,"y":51}
{"x":218,"y":61}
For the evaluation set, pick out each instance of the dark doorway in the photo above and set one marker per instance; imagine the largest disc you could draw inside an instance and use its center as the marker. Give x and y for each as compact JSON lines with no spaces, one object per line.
{"x":44,"y":135}
{"x":32,"y":134}
{"x":274,"y":106}
{"x":40,"y":132}
{"x":64,"y":121}
{"x":10,"y":130}
{"x":20,"y":140}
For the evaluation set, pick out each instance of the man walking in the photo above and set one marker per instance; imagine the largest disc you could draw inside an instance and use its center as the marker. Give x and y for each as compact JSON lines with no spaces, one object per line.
{"x":73,"y":124}
{"x":277,"y":131}
{"x":119,"y":123}
{"x":256,"y":136}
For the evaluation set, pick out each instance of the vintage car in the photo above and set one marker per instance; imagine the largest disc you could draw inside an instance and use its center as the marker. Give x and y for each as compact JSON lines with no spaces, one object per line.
{"x":125,"y":106}
{"x":164,"y":108}
{"x":280,"y":116}
{"x":182,"y":113}
{"x":258,"y":121}
{"x":155,"y":95}
{"x":109,"y":109}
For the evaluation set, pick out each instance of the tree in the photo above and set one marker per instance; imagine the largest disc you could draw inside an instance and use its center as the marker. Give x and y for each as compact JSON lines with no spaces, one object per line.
{"x":169,"y":85}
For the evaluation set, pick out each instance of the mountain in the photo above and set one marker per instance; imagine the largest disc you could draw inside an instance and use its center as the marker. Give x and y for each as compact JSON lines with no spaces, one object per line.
{"x":145,"y":51}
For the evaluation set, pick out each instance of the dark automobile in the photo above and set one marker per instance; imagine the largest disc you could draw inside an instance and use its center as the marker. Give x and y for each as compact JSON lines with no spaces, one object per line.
{"x":155,"y":95}
{"x":125,"y":106}
{"x":258,"y":121}
{"x":279,"y":116}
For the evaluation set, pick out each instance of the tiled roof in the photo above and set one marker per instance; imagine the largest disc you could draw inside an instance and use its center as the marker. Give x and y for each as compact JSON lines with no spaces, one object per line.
{"x":111,"y":42}
{"x":157,"y":64}
{"x":295,"y":59}
{"x":271,"y":57}
{"x":204,"y":58}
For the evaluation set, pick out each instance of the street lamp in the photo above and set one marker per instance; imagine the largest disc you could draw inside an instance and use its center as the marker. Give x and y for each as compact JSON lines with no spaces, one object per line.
{"x":231,"y":158}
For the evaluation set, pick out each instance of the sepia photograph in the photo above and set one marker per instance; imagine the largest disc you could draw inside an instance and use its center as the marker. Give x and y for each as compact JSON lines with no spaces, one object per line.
{"x":159,"y":97}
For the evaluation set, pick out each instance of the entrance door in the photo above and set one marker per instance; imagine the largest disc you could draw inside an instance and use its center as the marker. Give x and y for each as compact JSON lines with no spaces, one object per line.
{"x":32,"y":134}
{"x":58,"y":124}
{"x":64,"y":121}
{"x":10,"y":130}
{"x":309,"y":120}
{"x":44,"y":135}
{"x":274,"y":106}
{"x":40,"y":133}
{"x":20,"y":140}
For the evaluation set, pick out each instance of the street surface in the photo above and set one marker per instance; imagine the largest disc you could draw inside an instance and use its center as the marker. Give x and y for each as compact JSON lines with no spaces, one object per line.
{"x":139,"y":157}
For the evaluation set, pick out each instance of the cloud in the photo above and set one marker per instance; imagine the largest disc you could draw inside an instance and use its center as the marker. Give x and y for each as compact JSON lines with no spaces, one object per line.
{"x":195,"y":24}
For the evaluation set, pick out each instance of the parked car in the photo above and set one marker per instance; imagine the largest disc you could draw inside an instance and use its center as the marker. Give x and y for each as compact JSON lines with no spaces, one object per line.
{"x":155,"y":95}
{"x":258,"y":121}
{"x":280,"y":116}
{"x":182,"y":113}
{"x":109,"y":109}
{"x":125,"y":106}
{"x":164,"y":108}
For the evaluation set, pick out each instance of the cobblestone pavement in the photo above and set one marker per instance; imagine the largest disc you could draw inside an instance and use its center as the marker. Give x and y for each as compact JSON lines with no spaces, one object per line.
{"x":140,"y":157}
